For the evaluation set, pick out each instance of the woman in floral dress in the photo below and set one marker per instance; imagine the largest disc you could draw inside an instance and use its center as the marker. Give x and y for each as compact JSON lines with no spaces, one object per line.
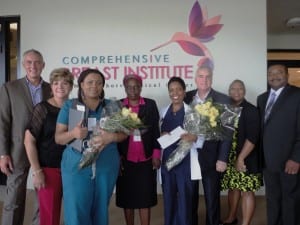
{"x":243,"y":176}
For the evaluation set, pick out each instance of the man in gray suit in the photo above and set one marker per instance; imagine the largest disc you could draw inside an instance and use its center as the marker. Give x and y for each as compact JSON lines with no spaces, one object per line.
{"x":17,"y":101}
{"x":213,"y":155}
{"x":280,"y":123}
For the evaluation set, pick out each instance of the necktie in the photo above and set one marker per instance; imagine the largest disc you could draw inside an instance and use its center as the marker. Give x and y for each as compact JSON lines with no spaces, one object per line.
{"x":270,"y":105}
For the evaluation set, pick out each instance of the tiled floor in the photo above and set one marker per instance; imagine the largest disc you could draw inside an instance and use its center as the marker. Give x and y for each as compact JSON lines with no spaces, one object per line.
{"x":116,"y":214}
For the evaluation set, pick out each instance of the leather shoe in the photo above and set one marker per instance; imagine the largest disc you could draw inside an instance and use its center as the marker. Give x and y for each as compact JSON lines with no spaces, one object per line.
{"x":231,"y":223}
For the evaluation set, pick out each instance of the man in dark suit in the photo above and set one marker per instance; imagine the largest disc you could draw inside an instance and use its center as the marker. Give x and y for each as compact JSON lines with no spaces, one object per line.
{"x":17,"y":101}
{"x":280,"y":124}
{"x":213,"y":155}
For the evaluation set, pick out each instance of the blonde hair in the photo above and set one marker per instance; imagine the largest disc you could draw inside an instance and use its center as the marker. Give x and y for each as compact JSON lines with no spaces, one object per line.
{"x":62,"y":74}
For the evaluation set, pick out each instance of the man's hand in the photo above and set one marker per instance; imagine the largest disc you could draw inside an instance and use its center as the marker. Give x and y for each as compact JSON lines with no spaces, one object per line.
{"x":292,"y":167}
{"x":189,"y":137}
{"x":221,"y":166}
{"x":6,"y":165}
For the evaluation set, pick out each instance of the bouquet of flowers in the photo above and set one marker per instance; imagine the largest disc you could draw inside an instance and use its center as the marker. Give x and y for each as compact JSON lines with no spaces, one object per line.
{"x":212,"y":121}
{"x":115,"y":118}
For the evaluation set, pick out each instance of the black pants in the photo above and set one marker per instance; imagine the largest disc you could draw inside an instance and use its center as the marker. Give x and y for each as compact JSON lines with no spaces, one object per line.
{"x":2,"y":179}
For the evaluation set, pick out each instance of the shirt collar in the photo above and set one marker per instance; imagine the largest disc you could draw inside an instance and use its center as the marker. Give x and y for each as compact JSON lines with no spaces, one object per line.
{"x":30,"y":84}
{"x":277,"y":92}
{"x":198,"y":99}
{"x":141,"y":101}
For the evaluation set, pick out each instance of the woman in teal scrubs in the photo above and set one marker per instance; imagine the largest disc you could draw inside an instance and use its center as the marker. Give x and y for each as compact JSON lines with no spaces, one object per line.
{"x":87,"y":191}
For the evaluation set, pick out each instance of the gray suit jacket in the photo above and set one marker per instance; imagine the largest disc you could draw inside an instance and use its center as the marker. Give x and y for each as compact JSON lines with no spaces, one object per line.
{"x":281,"y":133}
{"x":15,"y":112}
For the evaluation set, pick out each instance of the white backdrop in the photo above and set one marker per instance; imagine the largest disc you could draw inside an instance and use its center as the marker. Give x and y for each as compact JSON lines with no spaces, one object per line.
{"x":108,"y":31}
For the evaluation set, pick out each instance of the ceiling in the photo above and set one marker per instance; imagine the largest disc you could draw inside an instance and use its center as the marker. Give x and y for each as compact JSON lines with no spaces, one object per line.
{"x":278,"y":12}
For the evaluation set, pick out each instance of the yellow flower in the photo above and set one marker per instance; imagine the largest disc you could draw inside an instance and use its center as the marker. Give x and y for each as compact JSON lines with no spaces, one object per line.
{"x":208,"y":104}
{"x":133,"y":116}
{"x":198,"y":108}
{"x":213,"y":123}
{"x":214,"y":111}
{"x":125,"y":112}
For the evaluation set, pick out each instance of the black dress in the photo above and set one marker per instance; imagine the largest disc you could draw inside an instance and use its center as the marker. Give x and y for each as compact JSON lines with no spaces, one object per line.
{"x":42,"y":126}
{"x":136,"y":184}
{"x":248,"y":128}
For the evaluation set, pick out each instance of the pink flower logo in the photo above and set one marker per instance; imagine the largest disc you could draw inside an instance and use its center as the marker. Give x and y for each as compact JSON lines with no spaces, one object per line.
{"x":201,"y":30}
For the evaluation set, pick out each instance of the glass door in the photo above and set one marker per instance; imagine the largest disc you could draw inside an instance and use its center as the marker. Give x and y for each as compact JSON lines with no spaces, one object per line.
{"x":9,"y":48}
{"x":9,"y":54}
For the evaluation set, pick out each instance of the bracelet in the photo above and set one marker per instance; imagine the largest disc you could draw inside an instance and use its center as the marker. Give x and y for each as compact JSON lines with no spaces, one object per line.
{"x":36,"y":172}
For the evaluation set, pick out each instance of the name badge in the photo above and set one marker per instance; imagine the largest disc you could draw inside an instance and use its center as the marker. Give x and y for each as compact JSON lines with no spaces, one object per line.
{"x":91,"y":123}
{"x":80,"y":108}
{"x":137,"y":135}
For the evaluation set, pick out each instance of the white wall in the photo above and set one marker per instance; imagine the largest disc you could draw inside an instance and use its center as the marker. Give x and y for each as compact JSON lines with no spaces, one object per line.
{"x":133,"y":27}
{"x":88,"y":28}
{"x":284,"y":41}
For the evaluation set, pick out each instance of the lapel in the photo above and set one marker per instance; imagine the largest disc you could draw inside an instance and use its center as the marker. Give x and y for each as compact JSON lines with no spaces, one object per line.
{"x":279,"y":101}
{"x":142,"y":110}
{"x":190,"y":96}
{"x":264,"y":103}
{"x":46,"y":91}
{"x":26,"y":91}
{"x":211,"y":95}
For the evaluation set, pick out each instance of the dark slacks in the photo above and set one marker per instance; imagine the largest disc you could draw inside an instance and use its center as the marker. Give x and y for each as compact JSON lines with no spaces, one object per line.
{"x":180,"y":195}
{"x":283,"y":198}
{"x":211,"y":184}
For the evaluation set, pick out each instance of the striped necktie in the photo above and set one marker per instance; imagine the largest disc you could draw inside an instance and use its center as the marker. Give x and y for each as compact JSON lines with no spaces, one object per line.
{"x":270,"y":105}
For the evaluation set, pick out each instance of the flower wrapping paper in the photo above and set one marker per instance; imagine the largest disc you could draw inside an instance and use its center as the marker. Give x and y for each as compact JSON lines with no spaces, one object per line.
{"x":114,"y":118}
{"x":212,"y":121}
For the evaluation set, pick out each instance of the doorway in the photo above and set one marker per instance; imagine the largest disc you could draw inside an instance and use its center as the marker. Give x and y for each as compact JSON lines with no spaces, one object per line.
{"x":9,"y":48}
{"x":9,"y":54}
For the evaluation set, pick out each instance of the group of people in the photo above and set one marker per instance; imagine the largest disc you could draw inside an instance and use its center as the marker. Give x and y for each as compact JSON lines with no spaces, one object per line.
{"x":35,"y":132}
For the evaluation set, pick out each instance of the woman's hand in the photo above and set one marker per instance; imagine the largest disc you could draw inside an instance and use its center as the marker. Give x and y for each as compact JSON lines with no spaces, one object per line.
{"x":104,"y":138}
{"x":79,"y":132}
{"x":156,"y":163}
{"x":164,"y":133}
{"x":38,"y":179}
{"x":240,"y":165}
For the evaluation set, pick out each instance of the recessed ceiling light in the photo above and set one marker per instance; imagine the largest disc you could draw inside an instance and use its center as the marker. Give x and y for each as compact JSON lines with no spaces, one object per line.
{"x":293,"y":22}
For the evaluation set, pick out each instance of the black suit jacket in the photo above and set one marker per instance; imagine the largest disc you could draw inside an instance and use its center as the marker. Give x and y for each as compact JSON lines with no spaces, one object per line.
{"x":281,"y":133}
{"x":149,"y":114}
{"x":213,"y":150}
